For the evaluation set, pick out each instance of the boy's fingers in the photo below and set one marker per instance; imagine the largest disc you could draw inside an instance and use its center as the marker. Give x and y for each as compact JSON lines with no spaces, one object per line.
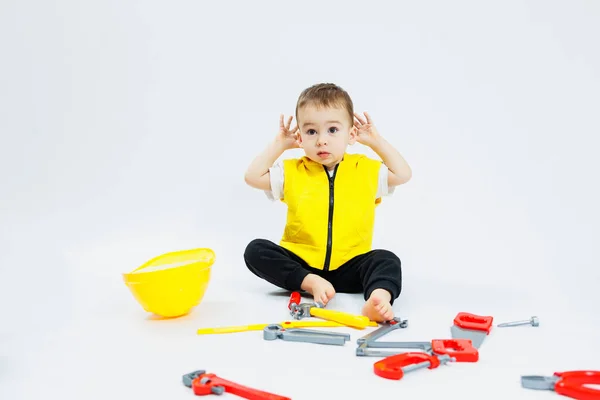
{"x":359,"y":119}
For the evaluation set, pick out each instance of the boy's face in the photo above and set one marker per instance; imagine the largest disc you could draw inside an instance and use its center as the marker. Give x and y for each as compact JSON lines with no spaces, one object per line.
{"x":325,"y":133}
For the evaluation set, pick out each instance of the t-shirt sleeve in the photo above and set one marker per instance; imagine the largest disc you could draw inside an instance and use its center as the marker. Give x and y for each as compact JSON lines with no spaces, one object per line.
{"x":382,"y":186}
{"x":276,"y":176}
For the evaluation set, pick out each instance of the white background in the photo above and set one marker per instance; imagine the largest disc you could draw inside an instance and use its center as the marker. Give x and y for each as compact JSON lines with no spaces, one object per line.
{"x":126,"y":128}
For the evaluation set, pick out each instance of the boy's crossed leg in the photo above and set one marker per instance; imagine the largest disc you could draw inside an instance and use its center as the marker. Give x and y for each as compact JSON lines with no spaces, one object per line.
{"x":286,"y":270}
{"x":377,"y":274}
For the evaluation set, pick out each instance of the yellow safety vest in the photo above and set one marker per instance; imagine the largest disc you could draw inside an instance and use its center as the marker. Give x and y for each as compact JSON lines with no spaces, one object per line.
{"x":330,"y":219}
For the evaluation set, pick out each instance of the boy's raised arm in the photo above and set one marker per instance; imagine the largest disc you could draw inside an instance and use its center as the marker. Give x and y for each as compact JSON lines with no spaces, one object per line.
{"x":399,"y":170}
{"x":257,"y":175}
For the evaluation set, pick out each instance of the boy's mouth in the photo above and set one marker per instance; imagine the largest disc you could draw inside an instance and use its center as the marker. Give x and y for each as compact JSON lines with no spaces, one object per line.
{"x":323,"y":153}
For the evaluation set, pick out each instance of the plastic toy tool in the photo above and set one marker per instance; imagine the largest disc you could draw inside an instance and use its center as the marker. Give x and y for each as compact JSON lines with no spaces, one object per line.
{"x":300,"y":310}
{"x":204,"y":384}
{"x":435,"y":352}
{"x":569,"y":384}
{"x":367,"y":343}
{"x":394,"y":367}
{"x":285,"y":324}
{"x":473,"y":327}
{"x":274,"y":332}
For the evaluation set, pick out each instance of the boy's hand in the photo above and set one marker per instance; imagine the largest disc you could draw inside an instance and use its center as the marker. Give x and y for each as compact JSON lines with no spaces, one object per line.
{"x":399,"y":171}
{"x":366,"y":133}
{"x":286,"y":136}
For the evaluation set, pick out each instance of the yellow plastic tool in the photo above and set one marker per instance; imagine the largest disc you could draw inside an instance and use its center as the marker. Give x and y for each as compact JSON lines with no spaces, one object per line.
{"x":301,"y":310}
{"x":172,"y":284}
{"x":354,"y":321}
{"x":285,"y":324}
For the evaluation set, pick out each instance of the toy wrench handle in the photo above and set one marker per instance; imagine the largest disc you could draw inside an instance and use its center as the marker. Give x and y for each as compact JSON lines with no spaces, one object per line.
{"x":355,"y":321}
{"x":572,"y":384}
{"x":238,"y":390}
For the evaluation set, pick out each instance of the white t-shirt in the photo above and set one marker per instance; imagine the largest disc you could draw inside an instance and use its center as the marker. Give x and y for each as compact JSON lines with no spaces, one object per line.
{"x":276,"y":175}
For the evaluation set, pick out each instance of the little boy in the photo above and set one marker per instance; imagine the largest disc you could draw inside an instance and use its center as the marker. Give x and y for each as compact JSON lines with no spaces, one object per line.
{"x":331,"y":198}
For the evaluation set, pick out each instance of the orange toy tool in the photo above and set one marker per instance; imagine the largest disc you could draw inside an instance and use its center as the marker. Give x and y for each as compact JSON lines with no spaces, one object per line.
{"x":203,"y":384}
{"x":300,"y":310}
{"x":569,"y":384}
{"x":394,"y":367}
{"x":472,"y":327}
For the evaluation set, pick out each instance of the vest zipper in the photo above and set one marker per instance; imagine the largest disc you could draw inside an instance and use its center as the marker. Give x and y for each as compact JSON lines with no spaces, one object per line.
{"x":330,"y":219}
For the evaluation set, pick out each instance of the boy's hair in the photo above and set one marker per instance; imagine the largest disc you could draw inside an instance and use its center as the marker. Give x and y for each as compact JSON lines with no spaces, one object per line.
{"x":326,"y":95}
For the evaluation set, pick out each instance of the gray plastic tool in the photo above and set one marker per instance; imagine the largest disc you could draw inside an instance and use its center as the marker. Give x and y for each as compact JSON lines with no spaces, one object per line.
{"x":533,"y":321}
{"x":369,"y":341}
{"x":274,"y":332}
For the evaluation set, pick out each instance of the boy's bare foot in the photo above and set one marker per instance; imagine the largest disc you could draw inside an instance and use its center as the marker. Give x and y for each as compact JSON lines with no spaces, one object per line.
{"x":378,"y":307}
{"x":321,"y":290}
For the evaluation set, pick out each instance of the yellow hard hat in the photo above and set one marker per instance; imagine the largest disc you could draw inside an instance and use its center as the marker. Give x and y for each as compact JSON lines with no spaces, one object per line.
{"x":172,"y":284}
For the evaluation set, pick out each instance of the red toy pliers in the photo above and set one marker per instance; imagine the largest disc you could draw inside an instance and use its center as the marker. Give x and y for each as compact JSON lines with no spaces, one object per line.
{"x":569,"y":384}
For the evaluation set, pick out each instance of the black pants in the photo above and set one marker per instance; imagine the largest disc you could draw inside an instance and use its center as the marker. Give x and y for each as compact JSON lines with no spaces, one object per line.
{"x":377,"y":269}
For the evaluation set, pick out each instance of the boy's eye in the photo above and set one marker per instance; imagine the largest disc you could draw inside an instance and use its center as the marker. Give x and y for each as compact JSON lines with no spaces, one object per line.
{"x":333,"y":130}
{"x":311,"y":131}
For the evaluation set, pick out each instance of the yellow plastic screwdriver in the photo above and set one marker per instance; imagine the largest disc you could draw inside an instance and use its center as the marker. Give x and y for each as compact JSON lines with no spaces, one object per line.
{"x":285,"y":324}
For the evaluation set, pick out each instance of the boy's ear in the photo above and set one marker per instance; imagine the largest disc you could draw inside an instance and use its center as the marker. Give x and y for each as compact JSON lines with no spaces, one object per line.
{"x":299,"y":139}
{"x":353,"y":133}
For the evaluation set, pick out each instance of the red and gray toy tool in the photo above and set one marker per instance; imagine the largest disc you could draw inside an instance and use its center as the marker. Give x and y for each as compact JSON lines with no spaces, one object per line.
{"x":369,"y":341}
{"x":460,"y":350}
{"x":394,"y":367}
{"x":472,"y":327}
{"x":435,"y":352}
{"x":299,"y":310}
{"x":204,"y":384}
{"x":569,"y":384}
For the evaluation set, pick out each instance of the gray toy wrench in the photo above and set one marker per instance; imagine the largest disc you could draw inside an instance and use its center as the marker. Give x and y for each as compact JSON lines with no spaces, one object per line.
{"x":274,"y":332}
